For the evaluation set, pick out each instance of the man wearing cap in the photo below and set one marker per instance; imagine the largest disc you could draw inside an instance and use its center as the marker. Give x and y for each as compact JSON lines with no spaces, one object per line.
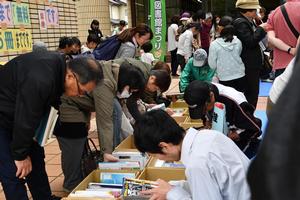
{"x":196,"y":69}
{"x":250,"y":36}
{"x":244,"y":128}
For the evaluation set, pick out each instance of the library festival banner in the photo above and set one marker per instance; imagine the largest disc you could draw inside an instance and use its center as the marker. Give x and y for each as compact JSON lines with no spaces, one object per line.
{"x":51,"y":16}
{"x":158,"y":26}
{"x":15,"y":40}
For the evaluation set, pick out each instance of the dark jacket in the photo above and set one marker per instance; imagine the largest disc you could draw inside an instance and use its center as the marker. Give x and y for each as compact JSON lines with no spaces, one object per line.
{"x":251,"y":53}
{"x":29,"y":85}
{"x":239,"y":114}
{"x":274,"y":173}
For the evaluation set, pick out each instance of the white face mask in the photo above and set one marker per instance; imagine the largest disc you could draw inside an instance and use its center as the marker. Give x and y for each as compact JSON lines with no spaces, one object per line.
{"x":124,"y":95}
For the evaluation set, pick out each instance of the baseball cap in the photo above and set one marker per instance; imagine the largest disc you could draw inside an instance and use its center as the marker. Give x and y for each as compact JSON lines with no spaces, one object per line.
{"x":199,"y":58}
{"x":196,"y":95}
{"x":185,"y":16}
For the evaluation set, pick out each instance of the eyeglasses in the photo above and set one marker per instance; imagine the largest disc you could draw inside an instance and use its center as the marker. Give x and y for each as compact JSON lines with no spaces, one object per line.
{"x":80,"y":91}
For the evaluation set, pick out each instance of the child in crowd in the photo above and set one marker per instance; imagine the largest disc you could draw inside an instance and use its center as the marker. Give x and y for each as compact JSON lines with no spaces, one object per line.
{"x":91,"y":44}
{"x":196,"y":69}
{"x":244,"y":127}
{"x":215,"y":167}
{"x":225,"y":56}
{"x":146,"y":55}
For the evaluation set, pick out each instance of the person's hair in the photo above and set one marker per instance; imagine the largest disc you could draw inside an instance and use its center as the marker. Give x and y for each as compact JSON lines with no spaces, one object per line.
{"x":147,"y":47}
{"x":122,"y":23}
{"x":39,"y":46}
{"x":160,"y":65}
{"x":175,"y":19}
{"x":202,"y":93}
{"x":76,"y":41}
{"x":141,"y":29}
{"x":132,"y":76}
{"x":95,"y":22}
{"x":263,"y":10}
{"x":155,"y":127}
{"x":200,"y":14}
{"x":241,"y":10}
{"x":225,"y":20}
{"x":92,"y":38}
{"x":162,"y":79}
{"x":88,"y":69}
{"x":227,"y":33}
{"x":197,"y":26}
{"x":64,"y":42}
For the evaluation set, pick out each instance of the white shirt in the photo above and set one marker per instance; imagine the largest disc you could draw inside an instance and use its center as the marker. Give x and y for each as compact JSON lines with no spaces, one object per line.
{"x":185,"y":47}
{"x":230,"y":92}
{"x":147,"y":58}
{"x":172,"y":32}
{"x":215,"y":168}
{"x":85,"y":49}
{"x":281,"y":81}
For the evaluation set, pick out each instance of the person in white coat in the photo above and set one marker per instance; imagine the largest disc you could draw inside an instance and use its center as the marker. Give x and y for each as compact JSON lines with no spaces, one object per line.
{"x":225,"y":56}
{"x":215,"y":167}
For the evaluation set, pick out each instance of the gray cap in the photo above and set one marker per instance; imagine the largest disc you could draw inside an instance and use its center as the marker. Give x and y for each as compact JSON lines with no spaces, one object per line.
{"x":199,"y":58}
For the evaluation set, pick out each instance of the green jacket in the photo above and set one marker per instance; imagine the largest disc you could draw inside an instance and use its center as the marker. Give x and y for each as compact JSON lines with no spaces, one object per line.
{"x":101,"y":100}
{"x":191,"y":73}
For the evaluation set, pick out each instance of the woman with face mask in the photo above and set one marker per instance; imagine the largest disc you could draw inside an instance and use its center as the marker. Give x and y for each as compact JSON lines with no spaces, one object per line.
{"x":133,"y":38}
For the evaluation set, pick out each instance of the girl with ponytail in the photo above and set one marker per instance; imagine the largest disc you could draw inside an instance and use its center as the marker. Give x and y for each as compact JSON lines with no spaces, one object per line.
{"x":225,"y":56}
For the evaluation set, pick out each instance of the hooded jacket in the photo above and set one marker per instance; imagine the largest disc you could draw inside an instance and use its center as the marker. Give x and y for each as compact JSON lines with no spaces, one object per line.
{"x":191,"y":73}
{"x":225,"y":58}
{"x":29,"y":85}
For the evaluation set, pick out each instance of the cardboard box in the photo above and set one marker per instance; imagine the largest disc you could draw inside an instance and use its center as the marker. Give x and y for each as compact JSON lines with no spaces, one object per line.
{"x":153,"y":161}
{"x":179,"y":119}
{"x":189,"y":123}
{"x":179,"y":104}
{"x":128,"y":143}
{"x":167,"y":174}
{"x":95,"y":177}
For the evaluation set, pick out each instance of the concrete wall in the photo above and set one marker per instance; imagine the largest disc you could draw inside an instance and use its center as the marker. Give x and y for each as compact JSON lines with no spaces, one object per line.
{"x":87,"y":10}
{"x":67,"y":24}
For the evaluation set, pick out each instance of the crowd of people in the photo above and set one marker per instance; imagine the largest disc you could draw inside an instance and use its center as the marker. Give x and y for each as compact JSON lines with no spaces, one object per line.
{"x":118,"y":78}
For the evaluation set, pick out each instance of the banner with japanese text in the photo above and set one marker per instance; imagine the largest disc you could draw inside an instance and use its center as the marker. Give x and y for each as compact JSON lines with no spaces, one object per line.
{"x":15,"y":40}
{"x":42,"y":20}
{"x":158,"y":25}
{"x":51,"y":16}
{"x":6,"y":13}
{"x":21,"y":14}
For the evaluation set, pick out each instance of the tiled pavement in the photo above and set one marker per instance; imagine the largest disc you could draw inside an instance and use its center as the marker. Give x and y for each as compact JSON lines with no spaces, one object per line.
{"x":52,"y":153}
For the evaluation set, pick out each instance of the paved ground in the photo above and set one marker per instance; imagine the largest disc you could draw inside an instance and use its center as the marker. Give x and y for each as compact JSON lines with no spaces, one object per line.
{"x":52,"y":151}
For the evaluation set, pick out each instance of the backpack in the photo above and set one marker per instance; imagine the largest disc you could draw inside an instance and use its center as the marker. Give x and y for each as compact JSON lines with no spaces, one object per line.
{"x":108,"y":49}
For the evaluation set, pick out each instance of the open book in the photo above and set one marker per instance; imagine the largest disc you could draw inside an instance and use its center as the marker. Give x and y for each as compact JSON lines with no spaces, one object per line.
{"x":46,"y":127}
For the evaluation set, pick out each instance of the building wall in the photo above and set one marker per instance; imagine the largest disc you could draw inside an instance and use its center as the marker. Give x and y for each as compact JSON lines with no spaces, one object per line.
{"x":67,"y":24}
{"x":87,"y":10}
